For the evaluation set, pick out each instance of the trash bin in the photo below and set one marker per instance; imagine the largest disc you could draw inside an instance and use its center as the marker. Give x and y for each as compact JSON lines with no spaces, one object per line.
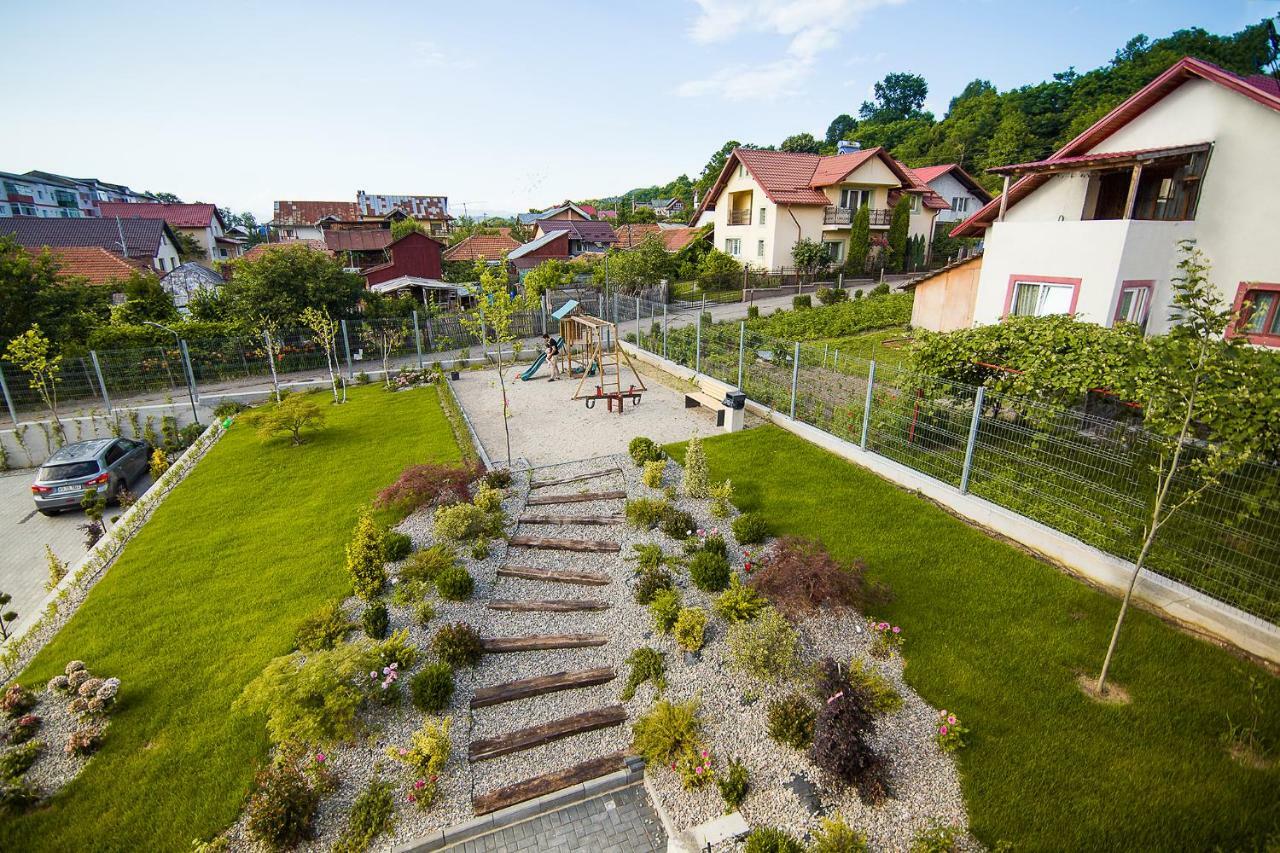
{"x":735,"y":399}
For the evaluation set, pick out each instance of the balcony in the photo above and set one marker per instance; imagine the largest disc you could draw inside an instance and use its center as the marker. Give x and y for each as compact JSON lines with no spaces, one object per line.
{"x":842,"y":217}
{"x":740,"y":217}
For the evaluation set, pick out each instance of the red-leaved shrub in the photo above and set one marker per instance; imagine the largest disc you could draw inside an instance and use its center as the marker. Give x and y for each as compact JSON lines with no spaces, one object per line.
{"x":841,"y":734}
{"x":800,"y":575}
{"x":427,"y":485}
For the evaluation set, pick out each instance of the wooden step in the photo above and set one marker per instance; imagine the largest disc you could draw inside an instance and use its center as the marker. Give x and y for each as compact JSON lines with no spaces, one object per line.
{"x":543,"y":733}
{"x":596,"y":520}
{"x":583,"y":578}
{"x":592,"y":476}
{"x":509,"y":795}
{"x":547,"y":605}
{"x":527,"y":687}
{"x":576,"y":499}
{"x":550,"y":543}
{"x":540,"y":642}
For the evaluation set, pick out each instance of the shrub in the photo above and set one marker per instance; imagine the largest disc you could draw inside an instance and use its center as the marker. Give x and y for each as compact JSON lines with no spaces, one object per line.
{"x":432,"y":689}
{"x":455,"y":584}
{"x":677,"y":523}
{"x":739,"y":602}
{"x":372,"y":814}
{"x":800,"y":575}
{"x":480,"y":549}
{"x":695,"y":469}
{"x":710,"y":544}
{"x":841,"y":738}
{"x":488,"y":498}
{"x":764,"y":648}
{"x":836,"y":836}
{"x":646,"y":665}
{"x":733,"y":784}
{"x":188,"y":434}
{"x":396,"y":546}
{"x":649,"y":582}
{"x":667,"y":732}
{"x":364,"y":558}
{"x":665,"y":608}
{"x":750,"y":528}
{"x":228,"y":409}
{"x":881,"y":289}
{"x":17,"y":796}
{"x":423,"y":613}
{"x":691,"y":629}
{"x":709,"y":571}
{"x":644,"y":450}
{"x":886,"y":639}
{"x":426,"y":755}
{"x":721,"y":495}
{"x":425,"y":565}
{"x":498,"y":478}
{"x":397,"y":649}
{"x":951,"y":731}
{"x":282,"y":807}
{"x":24,"y":728}
{"x":16,"y":701}
{"x":646,"y":512}
{"x":857,"y":294}
{"x":879,"y":693}
{"x":767,"y":839}
{"x":652,"y":476}
{"x":648,"y":556}
{"x":290,"y":416}
{"x":753,"y":312}
{"x":937,"y":838}
{"x":18,"y":759}
{"x":791,"y":720}
{"x":832,"y":295}
{"x":802,"y":301}
{"x":457,"y":645}
{"x":460,"y":521}
{"x":426,"y":485}
{"x":374,"y":621}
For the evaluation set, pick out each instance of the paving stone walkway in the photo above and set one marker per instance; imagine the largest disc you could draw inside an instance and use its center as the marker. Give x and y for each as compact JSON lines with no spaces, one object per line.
{"x":621,"y":821}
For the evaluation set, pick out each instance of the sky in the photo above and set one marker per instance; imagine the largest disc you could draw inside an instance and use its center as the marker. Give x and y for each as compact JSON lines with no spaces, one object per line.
{"x":501,"y":106}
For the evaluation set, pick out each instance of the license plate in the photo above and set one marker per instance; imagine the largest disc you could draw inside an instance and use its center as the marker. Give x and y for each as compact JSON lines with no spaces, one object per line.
{"x":64,"y":489}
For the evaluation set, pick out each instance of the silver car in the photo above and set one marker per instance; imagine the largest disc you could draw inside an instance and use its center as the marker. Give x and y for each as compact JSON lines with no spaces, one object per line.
{"x":104,"y":465}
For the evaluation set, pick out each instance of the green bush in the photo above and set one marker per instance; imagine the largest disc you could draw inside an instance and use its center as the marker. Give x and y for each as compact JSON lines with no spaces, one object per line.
{"x":767,"y":839}
{"x":646,"y":512}
{"x":488,"y":499}
{"x":665,"y":608}
{"x":721,"y":495}
{"x":648,"y":555}
{"x":649,"y":581}
{"x":432,"y":688}
{"x":652,"y":476}
{"x":667,"y":732}
{"x":457,"y":645}
{"x":374,"y":621}
{"x":695,"y":469}
{"x":498,"y":478}
{"x":709,"y":571}
{"x":938,"y":838}
{"x":677,"y":523}
{"x":282,"y":807}
{"x":423,"y":613}
{"x":455,"y":584}
{"x":801,"y":302}
{"x":323,"y":629}
{"x":228,"y":409}
{"x":644,"y":450}
{"x":836,"y":836}
{"x":764,"y":648}
{"x":733,"y":784}
{"x":646,"y":665}
{"x":396,"y":546}
{"x":460,"y":521}
{"x":753,"y":312}
{"x":372,"y":814}
{"x":426,"y":564}
{"x":365,"y":557}
{"x":691,"y":629}
{"x":881,"y":697}
{"x":750,"y":528}
{"x":791,"y":720}
{"x":18,"y":759}
{"x":837,"y":321}
{"x":881,"y":289}
{"x":832,"y":295}
{"x":739,"y":602}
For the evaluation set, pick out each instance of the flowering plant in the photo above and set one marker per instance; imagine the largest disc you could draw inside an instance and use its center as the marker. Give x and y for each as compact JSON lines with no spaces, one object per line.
{"x":694,"y":767}
{"x":324,"y":777}
{"x":951,"y":731}
{"x":887,"y":639}
{"x":23,"y":728}
{"x":390,"y":674}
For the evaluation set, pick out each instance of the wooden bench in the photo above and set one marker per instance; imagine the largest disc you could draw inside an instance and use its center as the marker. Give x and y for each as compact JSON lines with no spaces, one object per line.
{"x":697,"y":398}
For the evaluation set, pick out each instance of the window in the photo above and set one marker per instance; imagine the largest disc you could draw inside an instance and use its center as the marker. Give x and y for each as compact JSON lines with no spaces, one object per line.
{"x":114,"y":454}
{"x":1134,"y":302}
{"x":742,"y":170}
{"x":733,"y":246}
{"x":1037,"y":296}
{"x":763,"y":210}
{"x":854,"y":199}
{"x":833,"y":250}
{"x":915,"y":202}
{"x":1259,"y":306}
{"x":759,"y":248}
{"x":959,"y":204}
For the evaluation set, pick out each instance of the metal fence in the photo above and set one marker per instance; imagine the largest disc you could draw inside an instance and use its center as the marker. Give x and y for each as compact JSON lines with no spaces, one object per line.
{"x":1087,"y":476}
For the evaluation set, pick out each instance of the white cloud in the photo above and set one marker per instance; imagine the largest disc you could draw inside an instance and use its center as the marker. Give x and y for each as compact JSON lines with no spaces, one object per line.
{"x":811,"y":27}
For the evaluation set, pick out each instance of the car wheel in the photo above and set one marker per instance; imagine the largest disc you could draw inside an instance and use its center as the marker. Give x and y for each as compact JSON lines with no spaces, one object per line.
{"x":49,"y":512}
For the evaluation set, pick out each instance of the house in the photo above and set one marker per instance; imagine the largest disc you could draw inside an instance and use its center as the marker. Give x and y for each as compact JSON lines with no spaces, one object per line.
{"x":490,"y":247}
{"x":566,"y":210}
{"x":956,"y":186}
{"x":944,"y":297}
{"x":308,"y":220}
{"x":1094,"y":229}
{"x":663,"y":208}
{"x":584,"y":235}
{"x":673,"y":239}
{"x":359,"y":248}
{"x":46,"y":195}
{"x":415,"y":265}
{"x":550,"y":245}
{"x":765,"y":201}
{"x":150,"y":241}
{"x":186,"y":281}
{"x":201,"y":222}
{"x":431,"y":210}
{"x":94,"y":264}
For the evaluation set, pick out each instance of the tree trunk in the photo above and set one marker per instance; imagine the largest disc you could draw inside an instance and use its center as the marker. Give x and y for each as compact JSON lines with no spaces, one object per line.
{"x":271,"y":358}
{"x":502,"y":383}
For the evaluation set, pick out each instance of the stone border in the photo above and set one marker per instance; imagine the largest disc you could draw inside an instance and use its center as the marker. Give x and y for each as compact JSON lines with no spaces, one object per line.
{"x":520,"y":812}
{"x":466,"y":419}
{"x":65,"y":599}
{"x":1187,"y":607}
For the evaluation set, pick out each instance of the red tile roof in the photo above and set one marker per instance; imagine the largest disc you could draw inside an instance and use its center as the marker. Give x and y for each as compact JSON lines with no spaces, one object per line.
{"x":357,"y":239}
{"x":591,"y":230}
{"x":833,"y":170}
{"x":177,"y":215}
{"x":929,"y":174}
{"x":931,"y":198}
{"x":311,"y":212}
{"x":491,"y":247}
{"x":93,"y":263}
{"x":674,"y":239}
{"x":1187,"y":68}
{"x":262,"y":248}
{"x":1089,"y":159}
{"x":1265,"y":83}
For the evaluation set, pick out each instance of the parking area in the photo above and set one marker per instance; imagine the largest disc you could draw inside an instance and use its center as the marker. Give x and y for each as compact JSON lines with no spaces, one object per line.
{"x":24,"y":533}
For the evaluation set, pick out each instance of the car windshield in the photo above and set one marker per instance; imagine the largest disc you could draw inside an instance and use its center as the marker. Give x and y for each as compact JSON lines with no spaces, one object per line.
{"x":70,"y":471}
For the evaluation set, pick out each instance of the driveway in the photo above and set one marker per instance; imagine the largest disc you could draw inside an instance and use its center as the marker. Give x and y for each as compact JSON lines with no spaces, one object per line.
{"x":24,"y":533}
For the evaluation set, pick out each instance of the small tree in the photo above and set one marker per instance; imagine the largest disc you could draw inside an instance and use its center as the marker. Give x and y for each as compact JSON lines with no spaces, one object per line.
{"x":491,"y":318}
{"x":719,"y":271}
{"x":269,"y":330}
{"x":6,"y":616}
{"x":695,"y":469}
{"x":859,"y":242}
{"x":57,"y":569}
{"x":364,"y":558}
{"x":549,"y":275}
{"x":385,"y":336}
{"x":31,"y":352}
{"x":291,"y":415}
{"x":406,"y":226}
{"x":899,"y":226}
{"x":324,"y":331}
{"x":809,"y":256}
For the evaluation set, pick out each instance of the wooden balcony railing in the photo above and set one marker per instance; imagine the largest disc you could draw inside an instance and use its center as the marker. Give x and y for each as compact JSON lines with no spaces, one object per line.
{"x":842,"y":217}
{"x":740,"y":217}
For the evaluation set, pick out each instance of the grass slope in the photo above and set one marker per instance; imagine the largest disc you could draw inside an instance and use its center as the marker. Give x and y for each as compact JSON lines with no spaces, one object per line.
{"x":210,"y":590}
{"x":999,"y":637}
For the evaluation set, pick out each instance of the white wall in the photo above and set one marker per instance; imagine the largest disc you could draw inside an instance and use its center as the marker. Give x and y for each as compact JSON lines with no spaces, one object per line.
{"x":33,"y":449}
{"x":749,"y":234}
{"x":948,"y":187}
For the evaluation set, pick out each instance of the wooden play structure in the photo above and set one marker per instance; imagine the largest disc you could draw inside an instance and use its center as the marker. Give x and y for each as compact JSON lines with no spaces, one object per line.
{"x":591,"y":351}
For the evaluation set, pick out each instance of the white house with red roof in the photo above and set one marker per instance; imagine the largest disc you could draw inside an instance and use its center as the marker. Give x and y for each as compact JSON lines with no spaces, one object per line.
{"x":763,"y":202}
{"x":1094,"y":229}
{"x":201,"y":222}
{"x":957,"y":187}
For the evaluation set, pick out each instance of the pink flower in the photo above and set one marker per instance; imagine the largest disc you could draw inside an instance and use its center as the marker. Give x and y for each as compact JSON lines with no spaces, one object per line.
{"x":697,"y":770}
{"x":403,"y":751}
{"x":897,"y":630}
{"x":715,"y":531}
{"x":704,"y":753}
{"x":419,"y":784}
{"x":373,"y":674}
{"x":942,"y":730}
{"x":412,"y":798}
{"x":883,"y":625}
{"x":319,"y":758}
{"x":952,"y":719}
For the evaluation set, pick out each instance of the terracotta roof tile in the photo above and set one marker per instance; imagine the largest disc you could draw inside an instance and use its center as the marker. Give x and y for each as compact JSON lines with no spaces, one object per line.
{"x":784,"y":176}
{"x":93,"y":263}
{"x":833,"y":170}
{"x":591,"y":230}
{"x":311,"y":212}
{"x":177,"y":215}
{"x":491,"y":247}
{"x":357,"y":239}
{"x":262,"y":248}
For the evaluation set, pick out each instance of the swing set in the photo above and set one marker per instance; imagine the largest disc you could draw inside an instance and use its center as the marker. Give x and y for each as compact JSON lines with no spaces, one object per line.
{"x":591,"y":351}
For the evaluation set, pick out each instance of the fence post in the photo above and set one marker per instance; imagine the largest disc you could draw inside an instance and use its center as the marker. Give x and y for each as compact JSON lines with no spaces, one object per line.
{"x":824,"y":354}
{"x":191,"y":379}
{"x":637,"y":321}
{"x":697,"y":346}
{"x":13,"y":413}
{"x":973,"y":440}
{"x":615,"y":308}
{"x":795,"y":378}
{"x":742,"y":348}
{"x":346,"y":343}
{"x":93,"y":356}
{"x":431,"y":347}
{"x":417,"y":338}
{"x":836,"y":360}
{"x":664,"y":330}
{"x":866,"y":411}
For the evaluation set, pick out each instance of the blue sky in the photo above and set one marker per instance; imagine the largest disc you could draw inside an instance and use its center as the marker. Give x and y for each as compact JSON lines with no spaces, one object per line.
{"x":498,"y":105}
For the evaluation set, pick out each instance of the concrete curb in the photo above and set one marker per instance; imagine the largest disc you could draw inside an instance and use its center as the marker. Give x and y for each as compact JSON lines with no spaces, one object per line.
{"x":471,"y":430}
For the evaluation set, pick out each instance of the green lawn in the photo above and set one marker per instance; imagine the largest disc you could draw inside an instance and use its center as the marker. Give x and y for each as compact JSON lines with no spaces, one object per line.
{"x":210,"y":590}
{"x":999,"y":637}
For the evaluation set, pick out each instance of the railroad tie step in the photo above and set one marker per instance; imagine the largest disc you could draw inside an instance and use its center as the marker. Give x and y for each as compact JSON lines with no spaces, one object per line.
{"x":547,"y":605}
{"x":544,"y":733}
{"x":579,"y":478}
{"x":595,"y":520}
{"x":583,"y":497}
{"x":551,"y":543}
{"x":574,"y":576}
{"x":547,"y":783}
{"x":526,"y":688}
{"x":541,"y":642}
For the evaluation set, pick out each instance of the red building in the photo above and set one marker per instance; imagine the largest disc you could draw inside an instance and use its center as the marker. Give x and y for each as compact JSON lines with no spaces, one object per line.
{"x":414,"y":255}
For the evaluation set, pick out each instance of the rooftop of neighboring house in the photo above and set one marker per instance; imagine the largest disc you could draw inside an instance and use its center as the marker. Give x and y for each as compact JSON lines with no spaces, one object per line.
{"x":488,"y":246}
{"x":177,"y":215}
{"x":417,"y":206}
{"x":539,"y":242}
{"x":607,"y":214}
{"x":1260,"y":88}
{"x":93,"y":263}
{"x":674,"y":239}
{"x":929,"y":174}
{"x":590,"y":230}
{"x":311,"y":212}
{"x":357,"y":239}
{"x":942,"y":270}
{"x":193,"y":269}
{"x":64,"y":180}
{"x":262,"y":248}
{"x":530,"y":218}
{"x":142,"y":237}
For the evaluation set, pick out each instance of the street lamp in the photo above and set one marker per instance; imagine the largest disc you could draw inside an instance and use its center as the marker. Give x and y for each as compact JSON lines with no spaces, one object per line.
{"x":191,"y":394}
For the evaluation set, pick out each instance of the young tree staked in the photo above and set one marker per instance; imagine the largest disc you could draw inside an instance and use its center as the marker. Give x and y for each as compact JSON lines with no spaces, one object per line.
{"x":32,"y":352}
{"x":324,"y":331}
{"x":490,"y":319}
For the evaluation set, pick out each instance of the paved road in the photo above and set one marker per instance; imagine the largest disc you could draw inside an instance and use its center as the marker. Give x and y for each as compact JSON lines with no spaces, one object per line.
{"x":23,"y":535}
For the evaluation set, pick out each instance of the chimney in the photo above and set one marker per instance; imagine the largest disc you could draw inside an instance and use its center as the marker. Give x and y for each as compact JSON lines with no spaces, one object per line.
{"x":846,"y":147}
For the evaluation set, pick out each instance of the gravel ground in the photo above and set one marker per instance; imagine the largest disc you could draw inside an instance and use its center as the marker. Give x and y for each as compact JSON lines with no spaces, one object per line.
{"x":54,"y":768}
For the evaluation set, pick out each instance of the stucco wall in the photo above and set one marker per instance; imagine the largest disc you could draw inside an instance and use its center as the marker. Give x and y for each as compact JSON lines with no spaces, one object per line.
{"x":945,"y":302}
{"x":948,"y":187}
